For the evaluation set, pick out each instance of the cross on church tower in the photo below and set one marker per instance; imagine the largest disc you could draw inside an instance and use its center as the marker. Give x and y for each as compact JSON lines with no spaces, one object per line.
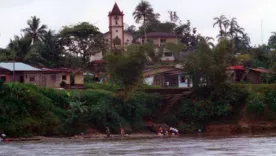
{"x":116,"y":18}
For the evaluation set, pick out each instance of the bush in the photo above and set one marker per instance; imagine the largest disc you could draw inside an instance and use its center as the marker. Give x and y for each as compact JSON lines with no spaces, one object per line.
{"x":256,"y":104}
{"x":270,"y":97}
{"x":25,"y":112}
{"x":103,"y":86}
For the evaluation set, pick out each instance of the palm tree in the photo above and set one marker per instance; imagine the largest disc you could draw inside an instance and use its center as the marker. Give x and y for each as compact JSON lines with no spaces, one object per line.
{"x":35,"y":30}
{"x":144,"y":13}
{"x":221,"y":22}
{"x":206,"y":40}
{"x":245,"y":41}
{"x":233,"y":26}
{"x":19,"y":47}
{"x":51,"y":49}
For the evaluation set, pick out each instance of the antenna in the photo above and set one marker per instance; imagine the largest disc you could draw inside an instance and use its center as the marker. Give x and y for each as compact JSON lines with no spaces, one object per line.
{"x":262,"y":31}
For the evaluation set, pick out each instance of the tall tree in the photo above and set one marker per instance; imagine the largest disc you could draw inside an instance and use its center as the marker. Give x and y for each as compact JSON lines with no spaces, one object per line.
{"x":205,"y":66}
{"x":144,"y":13}
{"x":20,"y":50}
{"x":272,"y":40}
{"x":221,"y":21}
{"x":51,"y":50}
{"x":19,"y":47}
{"x":82,"y":40}
{"x":188,"y":36}
{"x":173,"y":16}
{"x":126,"y":69}
{"x":35,"y":30}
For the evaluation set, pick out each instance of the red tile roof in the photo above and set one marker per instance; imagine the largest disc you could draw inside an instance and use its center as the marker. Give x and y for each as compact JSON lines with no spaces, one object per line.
{"x":98,"y":61}
{"x":261,"y":70}
{"x":235,"y":68}
{"x":116,"y":11}
{"x":160,"y":35}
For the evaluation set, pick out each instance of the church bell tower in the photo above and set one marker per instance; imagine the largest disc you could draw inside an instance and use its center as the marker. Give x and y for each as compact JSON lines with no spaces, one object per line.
{"x":116,"y":27}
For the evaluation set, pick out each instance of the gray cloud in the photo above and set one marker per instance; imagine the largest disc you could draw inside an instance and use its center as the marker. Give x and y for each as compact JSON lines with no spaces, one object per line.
{"x":57,"y":13}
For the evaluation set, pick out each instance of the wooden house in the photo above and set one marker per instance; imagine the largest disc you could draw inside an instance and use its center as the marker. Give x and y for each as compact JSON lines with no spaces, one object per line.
{"x":167,"y":77}
{"x":245,"y":74}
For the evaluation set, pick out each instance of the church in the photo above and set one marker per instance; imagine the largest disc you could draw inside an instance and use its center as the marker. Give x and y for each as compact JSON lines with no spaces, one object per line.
{"x":116,"y":37}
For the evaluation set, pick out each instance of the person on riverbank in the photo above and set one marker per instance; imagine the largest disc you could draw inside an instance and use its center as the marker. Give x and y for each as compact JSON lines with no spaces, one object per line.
{"x":107,"y":132}
{"x":3,"y":137}
{"x":173,"y":131}
{"x":159,"y":131}
{"x":122,"y":131}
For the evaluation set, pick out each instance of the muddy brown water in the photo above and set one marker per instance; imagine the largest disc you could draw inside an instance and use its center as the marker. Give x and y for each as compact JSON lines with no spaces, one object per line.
{"x":246,"y":145}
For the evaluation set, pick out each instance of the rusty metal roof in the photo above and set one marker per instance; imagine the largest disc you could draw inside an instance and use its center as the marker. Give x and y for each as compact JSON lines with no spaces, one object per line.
{"x":116,"y":11}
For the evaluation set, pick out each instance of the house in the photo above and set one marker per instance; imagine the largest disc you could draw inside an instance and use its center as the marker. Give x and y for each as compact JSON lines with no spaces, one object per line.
{"x":46,"y":77}
{"x":167,"y":77}
{"x":245,"y":74}
{"x":62,"y":77}
{"x":19,"y":72}
{"x":161,"y":38}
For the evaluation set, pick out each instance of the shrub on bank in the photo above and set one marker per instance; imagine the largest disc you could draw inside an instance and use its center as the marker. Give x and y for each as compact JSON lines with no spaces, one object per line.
{"x":211,"y":103}
{"x":25,"y":112}
{"x":256,"y":103}
{"x":103,"y":86}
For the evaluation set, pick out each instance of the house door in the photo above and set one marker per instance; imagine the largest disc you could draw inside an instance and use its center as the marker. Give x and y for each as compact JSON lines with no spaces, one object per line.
{"x":21,"y":79}
{"x":43,"y":83}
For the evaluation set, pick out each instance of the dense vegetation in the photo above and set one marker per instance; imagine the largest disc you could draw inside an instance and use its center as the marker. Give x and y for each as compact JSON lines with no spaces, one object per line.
{"x":27,"y":110}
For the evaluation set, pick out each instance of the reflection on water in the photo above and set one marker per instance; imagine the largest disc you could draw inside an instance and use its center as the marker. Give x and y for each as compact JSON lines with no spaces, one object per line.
{"x":188,"y":146}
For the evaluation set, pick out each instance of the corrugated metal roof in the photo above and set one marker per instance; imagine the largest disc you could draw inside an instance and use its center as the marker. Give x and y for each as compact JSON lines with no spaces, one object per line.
{"x":18,"y":66}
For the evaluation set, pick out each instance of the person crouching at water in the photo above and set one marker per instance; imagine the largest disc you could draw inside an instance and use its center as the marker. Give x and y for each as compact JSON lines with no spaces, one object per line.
{"x":173,"y":131}
{"x":160,"y":131}
{"x":107,"y":131}
{"x":3,"y":137}
{"x":122,"y":131}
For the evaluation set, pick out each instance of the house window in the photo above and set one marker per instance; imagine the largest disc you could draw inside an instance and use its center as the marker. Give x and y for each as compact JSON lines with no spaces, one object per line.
{"x":53,"y":77}
{"x":162,"y":41}
{"x":3,"y":78}
{"x":182,"y":79}
{"x":32,"y":78}
{"x":168,"y":54}
{"x":64,"y":77}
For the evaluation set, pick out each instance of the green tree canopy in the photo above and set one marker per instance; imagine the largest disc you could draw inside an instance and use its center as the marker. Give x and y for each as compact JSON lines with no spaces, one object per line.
{"x":126,"y":69}
{"x":83,"y":40}
{"x":206,"y":66}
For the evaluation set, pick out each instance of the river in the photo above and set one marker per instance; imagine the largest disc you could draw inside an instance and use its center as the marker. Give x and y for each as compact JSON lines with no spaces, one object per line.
{"x":250,"y":145}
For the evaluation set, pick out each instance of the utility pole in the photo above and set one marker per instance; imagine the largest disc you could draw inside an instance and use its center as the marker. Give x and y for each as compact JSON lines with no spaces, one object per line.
{"x":13,"y":66}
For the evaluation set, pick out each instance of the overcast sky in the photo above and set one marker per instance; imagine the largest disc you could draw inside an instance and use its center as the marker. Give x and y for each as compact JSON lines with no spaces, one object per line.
{"x":57,"y":13}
